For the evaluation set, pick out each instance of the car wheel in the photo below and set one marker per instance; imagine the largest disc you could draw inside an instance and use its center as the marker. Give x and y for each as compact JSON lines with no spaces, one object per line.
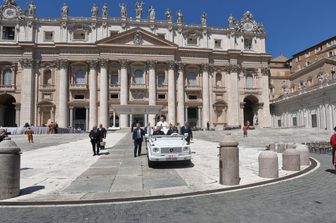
{"x":151,"y":164}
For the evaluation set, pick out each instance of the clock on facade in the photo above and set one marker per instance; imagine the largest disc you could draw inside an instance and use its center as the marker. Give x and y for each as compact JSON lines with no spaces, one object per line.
{"x":248,"y":26}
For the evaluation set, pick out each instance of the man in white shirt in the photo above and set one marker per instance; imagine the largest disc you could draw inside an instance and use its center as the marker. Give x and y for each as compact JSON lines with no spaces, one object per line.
{"x":163,"y":125}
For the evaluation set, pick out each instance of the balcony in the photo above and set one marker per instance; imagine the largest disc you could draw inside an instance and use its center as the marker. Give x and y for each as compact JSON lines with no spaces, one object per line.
{"x":138,"y":87}
{"x":78,"y":86}
{"x":114,"y":86}
{"x":47,"y":87}
{"x":162,"y":87}
{"x":7,"y":88}
{"x":251,"y":91}
{"x":193,"y":88}
{"x":219,"y":89}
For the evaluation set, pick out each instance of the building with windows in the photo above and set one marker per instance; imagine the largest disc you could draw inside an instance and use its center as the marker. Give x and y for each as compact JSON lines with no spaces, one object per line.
{"x":304,"y":95}
{"x":81,"y":71}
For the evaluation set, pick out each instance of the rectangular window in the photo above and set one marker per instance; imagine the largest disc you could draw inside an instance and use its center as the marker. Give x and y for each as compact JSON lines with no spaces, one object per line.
{"x":114,"y":96}
{"x":330,"y":54}
{"x":138,"y":96}
{"x":79,"y":97}
{"x":314,"y":121}
{"x":161,"y":80}
{"x":192,"y":97}
{"x":218,"y":43}
{"x":161,"y":96}
{"x":79,"y":35}
{"x":8,"y":32}
{"x":279,"y":123}
{"x":247,"y":44}
{"x":294,"y":121}
{"x":48,"y":36}
{"x":114,"y":80}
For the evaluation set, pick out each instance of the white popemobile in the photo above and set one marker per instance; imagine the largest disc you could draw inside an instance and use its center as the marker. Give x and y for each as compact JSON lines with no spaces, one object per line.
{"x":167,"y":148}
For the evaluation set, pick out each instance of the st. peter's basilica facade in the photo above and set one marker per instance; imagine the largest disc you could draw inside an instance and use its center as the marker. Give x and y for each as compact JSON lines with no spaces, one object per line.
{"x":82,"y":71}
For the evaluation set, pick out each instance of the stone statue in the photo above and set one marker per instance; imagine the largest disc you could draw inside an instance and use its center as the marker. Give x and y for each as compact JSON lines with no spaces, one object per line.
{"x":232,"y":22}
{"x":255,"y":119}
{"x":168,"y":15}
{"x":138,"y":9}
{"x":65,"y":10}
{"x":104,"y":11}
{"x":94,"y":10}
{"x":123,"y":10}
{"x":260,"y":28}
{"x":31,"y":9}
{"x":179,"y":16}
{"x":204,"y":19}
{"x":10,"y":2}
{"x":151,"y":12}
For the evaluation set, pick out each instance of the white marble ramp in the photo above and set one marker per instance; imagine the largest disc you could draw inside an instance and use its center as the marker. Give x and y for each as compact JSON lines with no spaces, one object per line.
{"x":51,"y":169}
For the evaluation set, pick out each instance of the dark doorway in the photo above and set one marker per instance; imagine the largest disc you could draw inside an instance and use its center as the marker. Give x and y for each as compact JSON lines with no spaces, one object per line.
{"x":314,"y":120}
{"x":116,"y":121}
{"x":251,"y":110}
{"x":138,"y":118}
{"x":7,"y":110}
{"x":192,"y":116}
{"x":80,"y":118}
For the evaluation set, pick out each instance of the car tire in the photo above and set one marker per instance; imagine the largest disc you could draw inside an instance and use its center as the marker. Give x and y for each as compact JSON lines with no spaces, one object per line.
{"x":151,"y":164}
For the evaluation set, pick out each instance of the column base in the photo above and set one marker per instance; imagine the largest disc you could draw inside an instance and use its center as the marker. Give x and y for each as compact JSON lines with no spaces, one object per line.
{"x":123,"y":121}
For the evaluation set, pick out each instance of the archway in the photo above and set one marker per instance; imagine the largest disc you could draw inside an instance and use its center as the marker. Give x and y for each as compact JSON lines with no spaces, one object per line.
{"x":7,"y":110}
{"x":251,"y":110}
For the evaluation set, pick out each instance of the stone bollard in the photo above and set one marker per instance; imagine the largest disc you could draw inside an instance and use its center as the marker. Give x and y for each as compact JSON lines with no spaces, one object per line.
{"x":229,"y":161}
{"x":281,"y":148}
{"x":291,"y":160}
{"x":304,"y":154}
{"x":272,"y":147}
{"x":10,"y":160}
{"x":268,"y":164}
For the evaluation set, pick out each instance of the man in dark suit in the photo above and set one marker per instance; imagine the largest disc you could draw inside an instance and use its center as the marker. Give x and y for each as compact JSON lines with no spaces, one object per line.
{"x":138,"y":134}
{"x":102,"y":134}
{"x":95,"y":139}
{"x":187,"y":129}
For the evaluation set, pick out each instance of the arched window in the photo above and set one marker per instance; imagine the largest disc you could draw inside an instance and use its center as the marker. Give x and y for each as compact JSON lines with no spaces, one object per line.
{"x":161,"y":79}
{"x":138,"y":77}
{"x":47,"y":80}
{"x":219,"y":80}
{"x":249,"y":81}
{"x":192,"y":79}
{"x":80,"y":77}
{"x":7,"y":77}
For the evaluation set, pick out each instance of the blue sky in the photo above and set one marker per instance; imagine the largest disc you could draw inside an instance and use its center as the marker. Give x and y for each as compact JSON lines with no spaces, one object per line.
{"x":291,"y":25}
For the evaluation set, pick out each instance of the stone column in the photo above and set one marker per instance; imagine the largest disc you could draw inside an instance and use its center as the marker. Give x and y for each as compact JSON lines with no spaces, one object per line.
{"x":93,"y":94}
{"x":104,"y":92}
{"x":171,"y":93}
{"x":114,"y":119}
{"x":205,"y":94}
{"x":87,"y":119}
{"x":123,"y":118}
{"x":186,"y":114}
{"x":180,"y":95}
{"x":151,"y":87}
{"x":71,"y":117}
{"x":265,"y":116}
{"x":27,"y":92}
{"x":63,"y":97}
{"x":199,"y":117}
{"x":233,"y":95}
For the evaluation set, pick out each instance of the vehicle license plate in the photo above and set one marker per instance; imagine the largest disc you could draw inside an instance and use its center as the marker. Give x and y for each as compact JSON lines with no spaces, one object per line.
{"x":171,"y":157}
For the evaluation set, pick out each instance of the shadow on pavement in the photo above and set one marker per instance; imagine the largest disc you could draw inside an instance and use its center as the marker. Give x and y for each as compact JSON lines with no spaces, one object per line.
{"x":173,"y":165}
{"x":331,"y":171}
{"x":32,"y":189}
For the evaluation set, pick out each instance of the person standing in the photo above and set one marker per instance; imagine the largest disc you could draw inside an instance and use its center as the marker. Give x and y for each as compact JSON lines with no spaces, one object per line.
{"x":29,"y":132}
{"x":186,"y":130}
{"x":102,"y":134}
{"x":333,"y":145}
{"x":246,"y":128}
{"x":94,"y":139}
{"x":163,"y":124}
{"x":208,"y":125}
{"x":138,"y":134}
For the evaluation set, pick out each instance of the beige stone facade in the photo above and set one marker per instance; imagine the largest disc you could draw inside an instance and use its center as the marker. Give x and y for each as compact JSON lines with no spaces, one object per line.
{"x":305,"y":97}
{"x":75,"y":70}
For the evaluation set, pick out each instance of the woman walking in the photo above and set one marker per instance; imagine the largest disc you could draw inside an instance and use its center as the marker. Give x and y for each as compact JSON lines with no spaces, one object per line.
{"x":333,"y":145}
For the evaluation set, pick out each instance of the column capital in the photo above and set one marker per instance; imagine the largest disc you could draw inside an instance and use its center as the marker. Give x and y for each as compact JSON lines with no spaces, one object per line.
{"x":104,"y":63}
{"x":151,"y":64}
{"x":63,"y":64}
{"x":265,"y":71}
{"x":26,"y":63}
{"x":93,"y":63}
{"x":205,"y":67}
{"x":233,"y":68}
{"x":171,"y":64}
{"x":180,"y":66}
{"x":123,"y":63}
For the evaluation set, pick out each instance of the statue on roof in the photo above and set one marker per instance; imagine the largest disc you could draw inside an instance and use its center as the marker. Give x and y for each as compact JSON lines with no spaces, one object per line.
{"x":65,"y":10}
{"x":94,"y":10}
{"x":179,"y":16}
{"x":10,"y":2}
{"x":138,"y":9}
{"x":232,"y":22}
{"x":151,"y":12}
{"x":31,"y":9}
{"x":168,"y":15}
{"x":123,"y":10}
{"x":104,"y":11}
{"x":204,"y":19}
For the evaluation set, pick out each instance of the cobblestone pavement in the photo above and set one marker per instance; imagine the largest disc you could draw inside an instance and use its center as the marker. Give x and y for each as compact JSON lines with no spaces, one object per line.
{"x":311,"y":198}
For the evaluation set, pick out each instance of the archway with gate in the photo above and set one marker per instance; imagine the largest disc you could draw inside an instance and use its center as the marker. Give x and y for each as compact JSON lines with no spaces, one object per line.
{"x":7,"y":110}
{"x":251,"y":106}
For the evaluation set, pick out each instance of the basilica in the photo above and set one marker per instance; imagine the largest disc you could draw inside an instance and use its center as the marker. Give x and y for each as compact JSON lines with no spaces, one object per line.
{"x":115,"y":69}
